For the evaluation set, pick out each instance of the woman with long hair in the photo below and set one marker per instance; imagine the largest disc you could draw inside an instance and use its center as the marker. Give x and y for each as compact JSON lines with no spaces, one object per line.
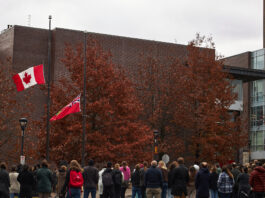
{"x":163,"y":168}
{"x":73,"y":181}
{"x":191,"y":190}
{"x":213,"y":182}
{"x":14,"y":184}
{"x":172,"y":166}
{"x":225,"y":183}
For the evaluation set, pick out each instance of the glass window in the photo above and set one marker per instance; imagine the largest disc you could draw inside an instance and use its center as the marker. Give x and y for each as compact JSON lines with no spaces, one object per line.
{"x":257,"y":91}
{"x":257,"y":141}
{"x":260,"y":62}
{"x":238,"y":88}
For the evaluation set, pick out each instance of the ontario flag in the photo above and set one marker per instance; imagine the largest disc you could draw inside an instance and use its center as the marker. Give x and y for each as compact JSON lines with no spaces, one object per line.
{"x":31,"y":76}
{"x":72,"y":107}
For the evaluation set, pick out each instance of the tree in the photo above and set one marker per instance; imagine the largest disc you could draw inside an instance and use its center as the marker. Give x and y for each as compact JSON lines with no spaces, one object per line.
{"x":114,"y":131}
{"x":187,"y":99}
{"x":12,"y":108}
{"x":203,"y":108}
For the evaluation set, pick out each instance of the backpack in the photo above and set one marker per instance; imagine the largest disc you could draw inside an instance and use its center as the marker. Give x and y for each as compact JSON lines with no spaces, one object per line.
{"x":117,"y":178}
{"x":107,"y":179}
{"x":76,"y":179}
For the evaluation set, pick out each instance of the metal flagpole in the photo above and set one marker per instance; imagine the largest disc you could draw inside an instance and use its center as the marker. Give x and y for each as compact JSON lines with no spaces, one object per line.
{"x":84,"y":105}
{"x":48,"y":99}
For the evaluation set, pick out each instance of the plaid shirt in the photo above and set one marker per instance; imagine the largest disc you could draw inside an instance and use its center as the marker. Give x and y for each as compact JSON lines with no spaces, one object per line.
{"x":225,"y":183}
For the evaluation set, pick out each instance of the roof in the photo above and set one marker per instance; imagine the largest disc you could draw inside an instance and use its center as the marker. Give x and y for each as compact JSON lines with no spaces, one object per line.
{"x":245,"y":74}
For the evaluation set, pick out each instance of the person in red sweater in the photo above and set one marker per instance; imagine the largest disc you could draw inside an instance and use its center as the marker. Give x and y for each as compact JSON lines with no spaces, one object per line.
{"x":257,"y":181}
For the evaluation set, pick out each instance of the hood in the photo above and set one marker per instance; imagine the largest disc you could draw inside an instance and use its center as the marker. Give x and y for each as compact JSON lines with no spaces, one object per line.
{"x":204,"y":170}
{"x":260,"y":169}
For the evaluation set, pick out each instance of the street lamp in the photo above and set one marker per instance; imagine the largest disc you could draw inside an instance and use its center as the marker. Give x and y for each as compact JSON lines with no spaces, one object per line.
{"x":156,"y":133}
{"x":23,"y":123}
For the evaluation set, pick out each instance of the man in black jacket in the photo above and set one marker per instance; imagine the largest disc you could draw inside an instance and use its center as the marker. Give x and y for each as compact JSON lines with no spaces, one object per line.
{"x":4,"y":181}
{"x":90,"y":176}
{"x":202,"y":182}
{"x":180,"y":180}
{"x":153,"y":181}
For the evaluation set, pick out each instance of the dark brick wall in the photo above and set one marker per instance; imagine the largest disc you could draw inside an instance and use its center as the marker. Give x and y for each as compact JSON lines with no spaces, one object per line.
{"x":6,"y":44}
{"x":240,"y":60}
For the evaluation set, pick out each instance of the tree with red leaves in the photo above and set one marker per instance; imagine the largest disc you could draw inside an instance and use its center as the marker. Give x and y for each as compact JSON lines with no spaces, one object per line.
{"x":114,"y":131}
{"x":203,"y":108}
{"x":187,"y":99}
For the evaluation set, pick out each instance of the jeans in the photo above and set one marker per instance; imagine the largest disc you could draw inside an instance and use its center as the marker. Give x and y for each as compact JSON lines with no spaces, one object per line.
{"x":136,"y":190}
{"x":74,"y":193}
{"x":169,"y":193}
{"x":12,"y":195}
{"x":93,"y":192}
{"x":123,"y":190}
{"x":164,"y":190}
{"x":224,"y":195}
{"x":213,"y":193}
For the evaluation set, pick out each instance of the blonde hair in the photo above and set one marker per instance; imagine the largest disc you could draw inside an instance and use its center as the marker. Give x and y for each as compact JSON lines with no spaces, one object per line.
{"x":117,"y":166}
{"x":74,"y":165}
{"x":162,"y":165}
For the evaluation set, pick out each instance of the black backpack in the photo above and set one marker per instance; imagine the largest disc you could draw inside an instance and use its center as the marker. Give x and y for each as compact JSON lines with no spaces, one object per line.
{"x":117,"y":178}
{"x":107,"y":179}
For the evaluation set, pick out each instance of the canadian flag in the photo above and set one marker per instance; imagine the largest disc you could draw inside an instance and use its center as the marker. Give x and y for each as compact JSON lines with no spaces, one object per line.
{"x":31,"y":76}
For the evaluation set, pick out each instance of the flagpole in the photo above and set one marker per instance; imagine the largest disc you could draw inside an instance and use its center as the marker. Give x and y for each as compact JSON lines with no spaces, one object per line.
{"x":48,"y":99}
{"x":84,"y":105}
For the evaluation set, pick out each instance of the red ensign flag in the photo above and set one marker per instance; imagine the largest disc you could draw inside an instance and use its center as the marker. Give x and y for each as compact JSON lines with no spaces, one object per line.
{"x":72,"y":107}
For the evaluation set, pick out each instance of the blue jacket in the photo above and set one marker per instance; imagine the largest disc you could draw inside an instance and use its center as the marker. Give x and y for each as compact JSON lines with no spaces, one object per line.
{"x":202,"y":183}
{"x":153,"y":178}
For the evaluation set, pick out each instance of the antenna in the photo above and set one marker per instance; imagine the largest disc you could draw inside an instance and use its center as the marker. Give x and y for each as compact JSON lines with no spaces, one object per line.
{"x":29,"y":20}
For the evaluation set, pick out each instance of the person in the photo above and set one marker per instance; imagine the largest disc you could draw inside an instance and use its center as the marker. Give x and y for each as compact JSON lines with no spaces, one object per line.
{"x":73,"y":180}
{"x":153,"y":181}
{"x":225,"y":183}
{"x":243,"y":184}
{"x":100,"y":184}
{"x":14,"y":184}
{"x":44,"y":180}
{"x":61,"y":175}
{"x":172,"y":166}
{"x":202,"y":181}
{"x":191,"y":190}
{"x":257,"y":181}
{"x":4,"y":181}
{"x":163,"y":168}
{"x":27,"y":181}
{"x":90,"y":176}
{"x":108,"y":182}
{"x":118,"y":179}
{"x":180,"y":180}
{"x":136,"y":177}
{"x":142,"y":173}
{"x":127,"y":175}
{"x":213,"y":182}
{"x":235,"y":172}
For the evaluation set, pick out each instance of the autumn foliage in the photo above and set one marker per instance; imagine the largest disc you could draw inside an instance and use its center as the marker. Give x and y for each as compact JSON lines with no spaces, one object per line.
{"x":188,"y":101}
{"x":113,"y":129}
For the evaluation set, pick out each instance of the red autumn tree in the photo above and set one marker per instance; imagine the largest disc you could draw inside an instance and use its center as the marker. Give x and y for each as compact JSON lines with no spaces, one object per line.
{"x":12,"y":109}
{"x":203,"y":108}
{"x":154,"y":84}
{"x":113,"y":131}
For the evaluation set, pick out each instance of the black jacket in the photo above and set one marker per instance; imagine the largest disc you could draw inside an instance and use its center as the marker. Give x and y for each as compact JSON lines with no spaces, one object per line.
{"x":170,"y":178}
{"x":90,"y":176}
{"x":4,"y":183}
{"x":27,"y":181}
{"x":180,"y":180}
{"x":213,"y":181}
{"x":202,"y":183}
{"x":153,"y":178}
{"x":136,"y":177}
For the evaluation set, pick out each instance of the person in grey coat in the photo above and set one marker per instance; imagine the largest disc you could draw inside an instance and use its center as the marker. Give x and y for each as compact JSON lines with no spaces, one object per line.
{"x":4,"y":181}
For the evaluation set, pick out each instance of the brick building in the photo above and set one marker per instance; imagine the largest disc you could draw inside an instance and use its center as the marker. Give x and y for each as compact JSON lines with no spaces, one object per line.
{"x":27,"y":46}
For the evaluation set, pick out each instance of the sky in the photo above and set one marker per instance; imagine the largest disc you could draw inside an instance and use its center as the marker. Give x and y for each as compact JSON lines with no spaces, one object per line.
{"x":235,"y":25}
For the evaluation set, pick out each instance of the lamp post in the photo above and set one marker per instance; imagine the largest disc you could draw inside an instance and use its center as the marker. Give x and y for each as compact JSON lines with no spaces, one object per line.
{"x":23,"y":123}
{"x":156,"y":133}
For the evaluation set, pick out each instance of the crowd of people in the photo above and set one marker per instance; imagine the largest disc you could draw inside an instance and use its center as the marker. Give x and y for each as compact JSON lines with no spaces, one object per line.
{"x":157,"y":180}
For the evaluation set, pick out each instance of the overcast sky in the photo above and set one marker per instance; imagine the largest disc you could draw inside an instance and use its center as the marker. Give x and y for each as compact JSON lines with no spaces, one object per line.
{"x":235,"y":25}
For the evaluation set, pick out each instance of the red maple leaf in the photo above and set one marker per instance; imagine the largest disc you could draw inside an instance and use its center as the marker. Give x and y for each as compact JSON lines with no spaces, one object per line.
{"x":27,"y":78}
